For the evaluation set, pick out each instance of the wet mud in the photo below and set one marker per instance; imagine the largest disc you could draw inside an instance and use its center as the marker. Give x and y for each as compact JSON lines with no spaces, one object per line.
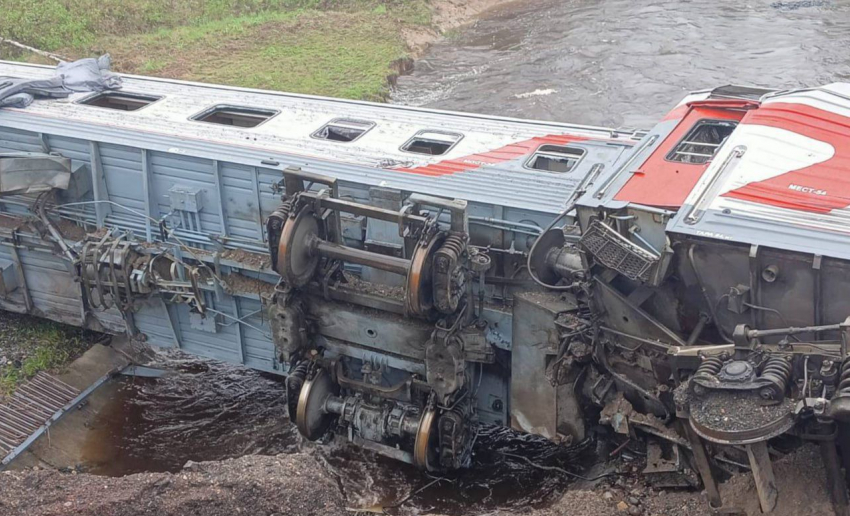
{"x":614,"y":63}
{"x":209,"y":411}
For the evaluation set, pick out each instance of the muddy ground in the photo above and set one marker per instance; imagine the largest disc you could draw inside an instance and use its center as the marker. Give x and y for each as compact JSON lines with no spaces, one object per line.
{"x":302,"y":484}
{"x":286,"y":484}
{"x":558,"y":52}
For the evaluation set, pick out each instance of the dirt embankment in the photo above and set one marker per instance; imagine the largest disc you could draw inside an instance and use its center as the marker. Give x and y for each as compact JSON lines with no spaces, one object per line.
{"x":340,"y":48}
{"x":299,"y":484}
{"x":286,"y":484}
{"x":450,"y":14}
{"x":447,"y":15}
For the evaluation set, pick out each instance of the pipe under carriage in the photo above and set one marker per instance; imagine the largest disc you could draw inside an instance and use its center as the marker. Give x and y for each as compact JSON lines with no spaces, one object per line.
{"x":685,"y":284}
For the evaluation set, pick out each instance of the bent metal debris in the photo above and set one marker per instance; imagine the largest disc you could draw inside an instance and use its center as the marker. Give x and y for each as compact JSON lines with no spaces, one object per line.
{"x":415,"y":273}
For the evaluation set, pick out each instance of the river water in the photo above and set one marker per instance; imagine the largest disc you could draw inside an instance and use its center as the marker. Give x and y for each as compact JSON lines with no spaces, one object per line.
{"x":622,"y":63}
{"x":615,"y":63}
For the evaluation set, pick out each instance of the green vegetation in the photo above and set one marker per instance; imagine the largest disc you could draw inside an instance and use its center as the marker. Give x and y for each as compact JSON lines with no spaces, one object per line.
{"x":42,"y":346}
{"x":343,"y":48}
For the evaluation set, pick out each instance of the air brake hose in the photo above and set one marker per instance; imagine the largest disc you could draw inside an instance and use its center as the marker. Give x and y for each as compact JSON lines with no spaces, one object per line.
{"x":534,"y":246}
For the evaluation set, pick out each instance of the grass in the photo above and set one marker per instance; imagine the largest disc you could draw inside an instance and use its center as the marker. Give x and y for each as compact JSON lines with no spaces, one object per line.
{"x":47,"y":346}
{"x":58,"y":24}
{"x":320,"y":53}
{"x":340,"y":48}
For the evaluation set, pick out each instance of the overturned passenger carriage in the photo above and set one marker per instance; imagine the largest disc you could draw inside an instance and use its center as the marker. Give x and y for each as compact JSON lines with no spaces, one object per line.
{"x":415,"y":273}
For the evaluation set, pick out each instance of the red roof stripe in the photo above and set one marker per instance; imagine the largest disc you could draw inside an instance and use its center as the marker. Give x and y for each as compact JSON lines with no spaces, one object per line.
{"x":819,"y":188}
{"x":506,"y":153}
{"x":659,"y":182}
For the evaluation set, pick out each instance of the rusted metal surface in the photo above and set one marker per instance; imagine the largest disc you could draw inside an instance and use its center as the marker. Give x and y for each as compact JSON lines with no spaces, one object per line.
{"x":328,"y":262}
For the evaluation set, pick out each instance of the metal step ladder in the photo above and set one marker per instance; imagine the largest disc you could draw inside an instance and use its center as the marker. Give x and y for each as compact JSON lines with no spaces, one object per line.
{"x":33,"y":407}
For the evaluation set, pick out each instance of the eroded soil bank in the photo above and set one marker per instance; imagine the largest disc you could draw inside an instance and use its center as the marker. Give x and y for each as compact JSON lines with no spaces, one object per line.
{"x":585,"y":67}
{"x":304,"y":484}
{"x":339,"y":48}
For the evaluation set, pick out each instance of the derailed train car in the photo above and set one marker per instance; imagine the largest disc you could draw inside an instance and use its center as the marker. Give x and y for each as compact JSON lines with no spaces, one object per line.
{"x":402,"y":269}
{"x":715,"y":263}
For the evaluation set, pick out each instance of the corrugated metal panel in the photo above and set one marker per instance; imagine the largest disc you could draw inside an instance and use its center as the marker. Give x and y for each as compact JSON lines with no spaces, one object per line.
{"x":69,"y":147}
{"x":151,"y":319}
{"x":51,"y":293}
{"x":168,"y":170}
{"x":122,"y":170}
{"x":269,"y":201}
{"x":371,"y":160}
{"x":259,"y":350}
{"x":17,"y":140}
{"x":240,"y":201}
{"x":219,"y":346}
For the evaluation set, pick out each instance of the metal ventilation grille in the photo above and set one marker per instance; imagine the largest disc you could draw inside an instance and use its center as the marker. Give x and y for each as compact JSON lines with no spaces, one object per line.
{"x":615,"y":252}
{"x":31,"y":407}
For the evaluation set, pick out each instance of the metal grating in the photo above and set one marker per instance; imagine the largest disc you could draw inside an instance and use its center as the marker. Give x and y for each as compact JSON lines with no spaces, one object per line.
{"x":34,"y":404}
{"x":615,"y":252}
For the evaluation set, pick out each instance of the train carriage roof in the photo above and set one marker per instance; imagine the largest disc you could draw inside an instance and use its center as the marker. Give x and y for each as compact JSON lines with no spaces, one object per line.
{"x":475,"y":157}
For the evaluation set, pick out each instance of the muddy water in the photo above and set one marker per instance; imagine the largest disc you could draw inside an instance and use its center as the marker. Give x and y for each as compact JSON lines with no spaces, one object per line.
{"x":606,"y":62}
{"x":207,"y":411}
{"x":199,"y":411}
{"x":625,"y":63}
{"x":494,"y":480}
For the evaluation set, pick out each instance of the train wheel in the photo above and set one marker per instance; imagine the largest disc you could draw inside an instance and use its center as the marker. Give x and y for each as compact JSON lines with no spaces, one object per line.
{"x":425,"y":447}
{"x":310,"y":416}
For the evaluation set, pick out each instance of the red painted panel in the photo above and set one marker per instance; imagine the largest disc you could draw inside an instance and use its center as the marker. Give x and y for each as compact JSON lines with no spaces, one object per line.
{"x":500,"y":155}
{"x":666,"y":184}
{"x":819,"y":188}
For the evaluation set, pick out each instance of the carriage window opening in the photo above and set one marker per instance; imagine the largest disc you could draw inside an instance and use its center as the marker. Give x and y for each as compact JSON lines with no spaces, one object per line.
{"x":555,"y":158}
{"x":701,"y":143}
{"x":431,"y":143}
{"x":343,"y":130}
{"x":120,"y":100}
{"x":235,"y":116}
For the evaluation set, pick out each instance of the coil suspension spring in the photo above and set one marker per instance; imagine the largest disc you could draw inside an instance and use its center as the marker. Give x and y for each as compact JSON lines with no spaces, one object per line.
{"x":286,"y":207}
{"x":710,"y":366}
{"x":274,"y":227}
{"x":777,"y":370}
{"x":453,"y":246}
{"x":844,"y":379}
{"x":448,"y":283}
{"x":278,"y":217}
{"x":294,"y":382}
